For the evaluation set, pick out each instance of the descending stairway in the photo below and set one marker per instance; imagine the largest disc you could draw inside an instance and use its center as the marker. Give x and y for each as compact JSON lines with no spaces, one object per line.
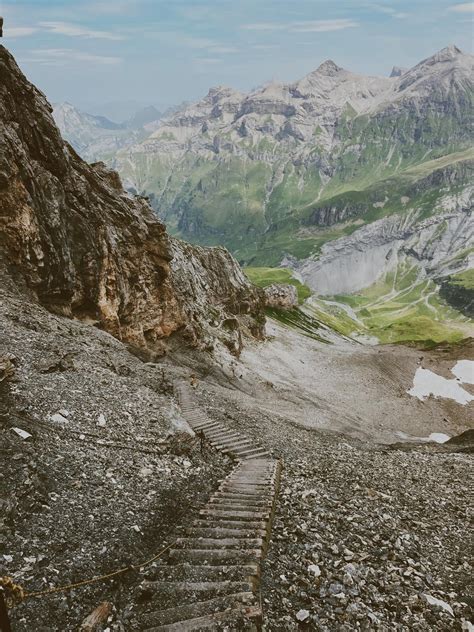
{"x":211,"y":580}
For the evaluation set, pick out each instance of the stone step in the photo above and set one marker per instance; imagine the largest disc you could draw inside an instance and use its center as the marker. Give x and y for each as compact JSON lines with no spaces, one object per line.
{"x":228,"y":445}
{"x":243,"y":619}
{"x":221,"y":532}
{"x":227,"y":440}
{"x":214,"y":556}
{"x":214,"y":435}
{"x":198,"y":609}
{"x":205,"y":572}
{"x":234,"y":502}
{"x":216,"y":523}
{"x":246,"y":466}
{"x":248,"y":479}
{"x":254,"y":453}
{"x":261,"y":455}
{"x":206,"y":426}
{"x":244,"y":488}
{"x":263,"y":491}
{"x":174,"y":593}
{"x":243,"y":497}
{"x":253,"y":485}
{"x":234,"y":514}
{"x":219,"y":543}
{"x":232,"y":506}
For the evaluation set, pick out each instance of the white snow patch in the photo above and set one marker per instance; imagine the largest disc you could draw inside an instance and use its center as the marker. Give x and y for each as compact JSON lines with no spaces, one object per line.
{"x":464,"y":371}
{"x":434,"y":437}
{"x":426,"y":383}
{"x":437,"y":437}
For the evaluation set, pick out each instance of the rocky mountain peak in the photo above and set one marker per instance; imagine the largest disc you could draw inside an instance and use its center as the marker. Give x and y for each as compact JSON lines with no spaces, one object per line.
{"x":143,"y":117}
{"x":217,"y":93}
{"x":440,"y":70}
{"x":448,"y":54}
{"x":328,"y":68}
{"x":397,"y":71}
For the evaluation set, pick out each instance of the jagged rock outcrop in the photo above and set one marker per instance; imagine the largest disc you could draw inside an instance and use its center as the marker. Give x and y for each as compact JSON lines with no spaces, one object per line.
{"x":282,"y":296}
{"x":398,"y":71}
{"x":354,"y":262}
{"x":84,"y":248}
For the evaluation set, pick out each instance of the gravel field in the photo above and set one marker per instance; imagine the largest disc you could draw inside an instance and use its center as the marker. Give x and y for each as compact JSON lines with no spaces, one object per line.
{"x":105,"y":477}
{"x":367,"y":535}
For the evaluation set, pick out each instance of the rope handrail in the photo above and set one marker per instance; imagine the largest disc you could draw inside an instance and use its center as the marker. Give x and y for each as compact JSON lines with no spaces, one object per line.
{"x":15,"y":593}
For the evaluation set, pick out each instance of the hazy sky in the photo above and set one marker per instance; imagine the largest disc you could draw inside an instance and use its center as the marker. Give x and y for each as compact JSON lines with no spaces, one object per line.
{"x":166,"y":51}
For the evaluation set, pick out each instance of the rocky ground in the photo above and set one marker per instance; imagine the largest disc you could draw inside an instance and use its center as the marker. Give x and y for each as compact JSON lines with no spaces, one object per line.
{"x":105,"y":476}
{"x":366,"y":536}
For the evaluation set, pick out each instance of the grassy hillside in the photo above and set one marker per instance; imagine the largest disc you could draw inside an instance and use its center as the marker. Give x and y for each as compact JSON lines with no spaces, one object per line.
{"x":401,"y":307}
{"x":464,"y":279}
{"x":263,"y":277}
{"x":223,"y":202}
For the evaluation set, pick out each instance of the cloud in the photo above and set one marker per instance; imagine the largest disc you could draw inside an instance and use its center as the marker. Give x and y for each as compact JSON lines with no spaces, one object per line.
{"x":75,"y":30}
{"x":19,"y":31}
{"x":307,"y":26}
{"x":465,"y":7}
{"x":320,"y":26}
{"x":195,"y":42}
{"x":264,"y":26}
{"x":62,"y":56}
{"x":202,"y":44}
{"x":390,"y":11}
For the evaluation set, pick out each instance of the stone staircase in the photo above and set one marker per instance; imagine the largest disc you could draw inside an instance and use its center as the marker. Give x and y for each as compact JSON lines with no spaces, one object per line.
{"x":212,"y":577}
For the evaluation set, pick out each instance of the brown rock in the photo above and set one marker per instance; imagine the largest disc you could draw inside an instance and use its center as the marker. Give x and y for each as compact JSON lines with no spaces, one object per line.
{"x":71,"y":236}
{"x":283,"y":296}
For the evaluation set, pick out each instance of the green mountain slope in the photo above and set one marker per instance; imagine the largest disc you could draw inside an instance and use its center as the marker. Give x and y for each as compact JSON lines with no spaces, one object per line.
{"x":287,"y":168}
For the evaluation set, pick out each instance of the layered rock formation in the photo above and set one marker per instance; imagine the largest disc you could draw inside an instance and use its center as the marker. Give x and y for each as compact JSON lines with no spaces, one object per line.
{"x":84,"y":248}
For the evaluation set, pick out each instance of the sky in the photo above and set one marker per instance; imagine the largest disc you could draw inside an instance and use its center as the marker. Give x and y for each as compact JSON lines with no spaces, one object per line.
{"x":107,"y":55}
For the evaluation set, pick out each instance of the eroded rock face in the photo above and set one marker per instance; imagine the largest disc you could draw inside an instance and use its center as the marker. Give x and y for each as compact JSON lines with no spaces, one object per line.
{"x":84,"y":247}
{"x":283,"y":296}
{"x":215,"y":293}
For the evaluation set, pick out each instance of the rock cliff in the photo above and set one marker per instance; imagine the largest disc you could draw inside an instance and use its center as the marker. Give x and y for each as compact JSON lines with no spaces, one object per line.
{"x":83,"y":247}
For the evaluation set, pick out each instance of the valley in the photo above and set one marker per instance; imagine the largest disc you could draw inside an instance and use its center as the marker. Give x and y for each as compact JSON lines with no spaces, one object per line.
{"x":190,"y":443}
{"x":354,"y":182}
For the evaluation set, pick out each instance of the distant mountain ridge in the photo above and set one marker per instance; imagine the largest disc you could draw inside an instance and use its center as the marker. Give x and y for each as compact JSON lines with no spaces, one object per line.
{"x":97,"y":137}
{"x":277,"y":173}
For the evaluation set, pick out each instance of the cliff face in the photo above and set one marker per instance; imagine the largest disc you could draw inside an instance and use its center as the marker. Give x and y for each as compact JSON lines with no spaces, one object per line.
{"x":84,"y":248}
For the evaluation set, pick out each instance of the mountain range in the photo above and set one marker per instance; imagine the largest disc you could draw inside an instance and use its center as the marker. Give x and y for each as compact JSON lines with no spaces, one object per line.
{"x":344,"y":178}
{"x":97,"y":137}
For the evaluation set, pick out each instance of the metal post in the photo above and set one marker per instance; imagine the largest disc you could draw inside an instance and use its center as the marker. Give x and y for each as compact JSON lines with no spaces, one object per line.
{"x":4,"y":620}
{"x":200,"y":434}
